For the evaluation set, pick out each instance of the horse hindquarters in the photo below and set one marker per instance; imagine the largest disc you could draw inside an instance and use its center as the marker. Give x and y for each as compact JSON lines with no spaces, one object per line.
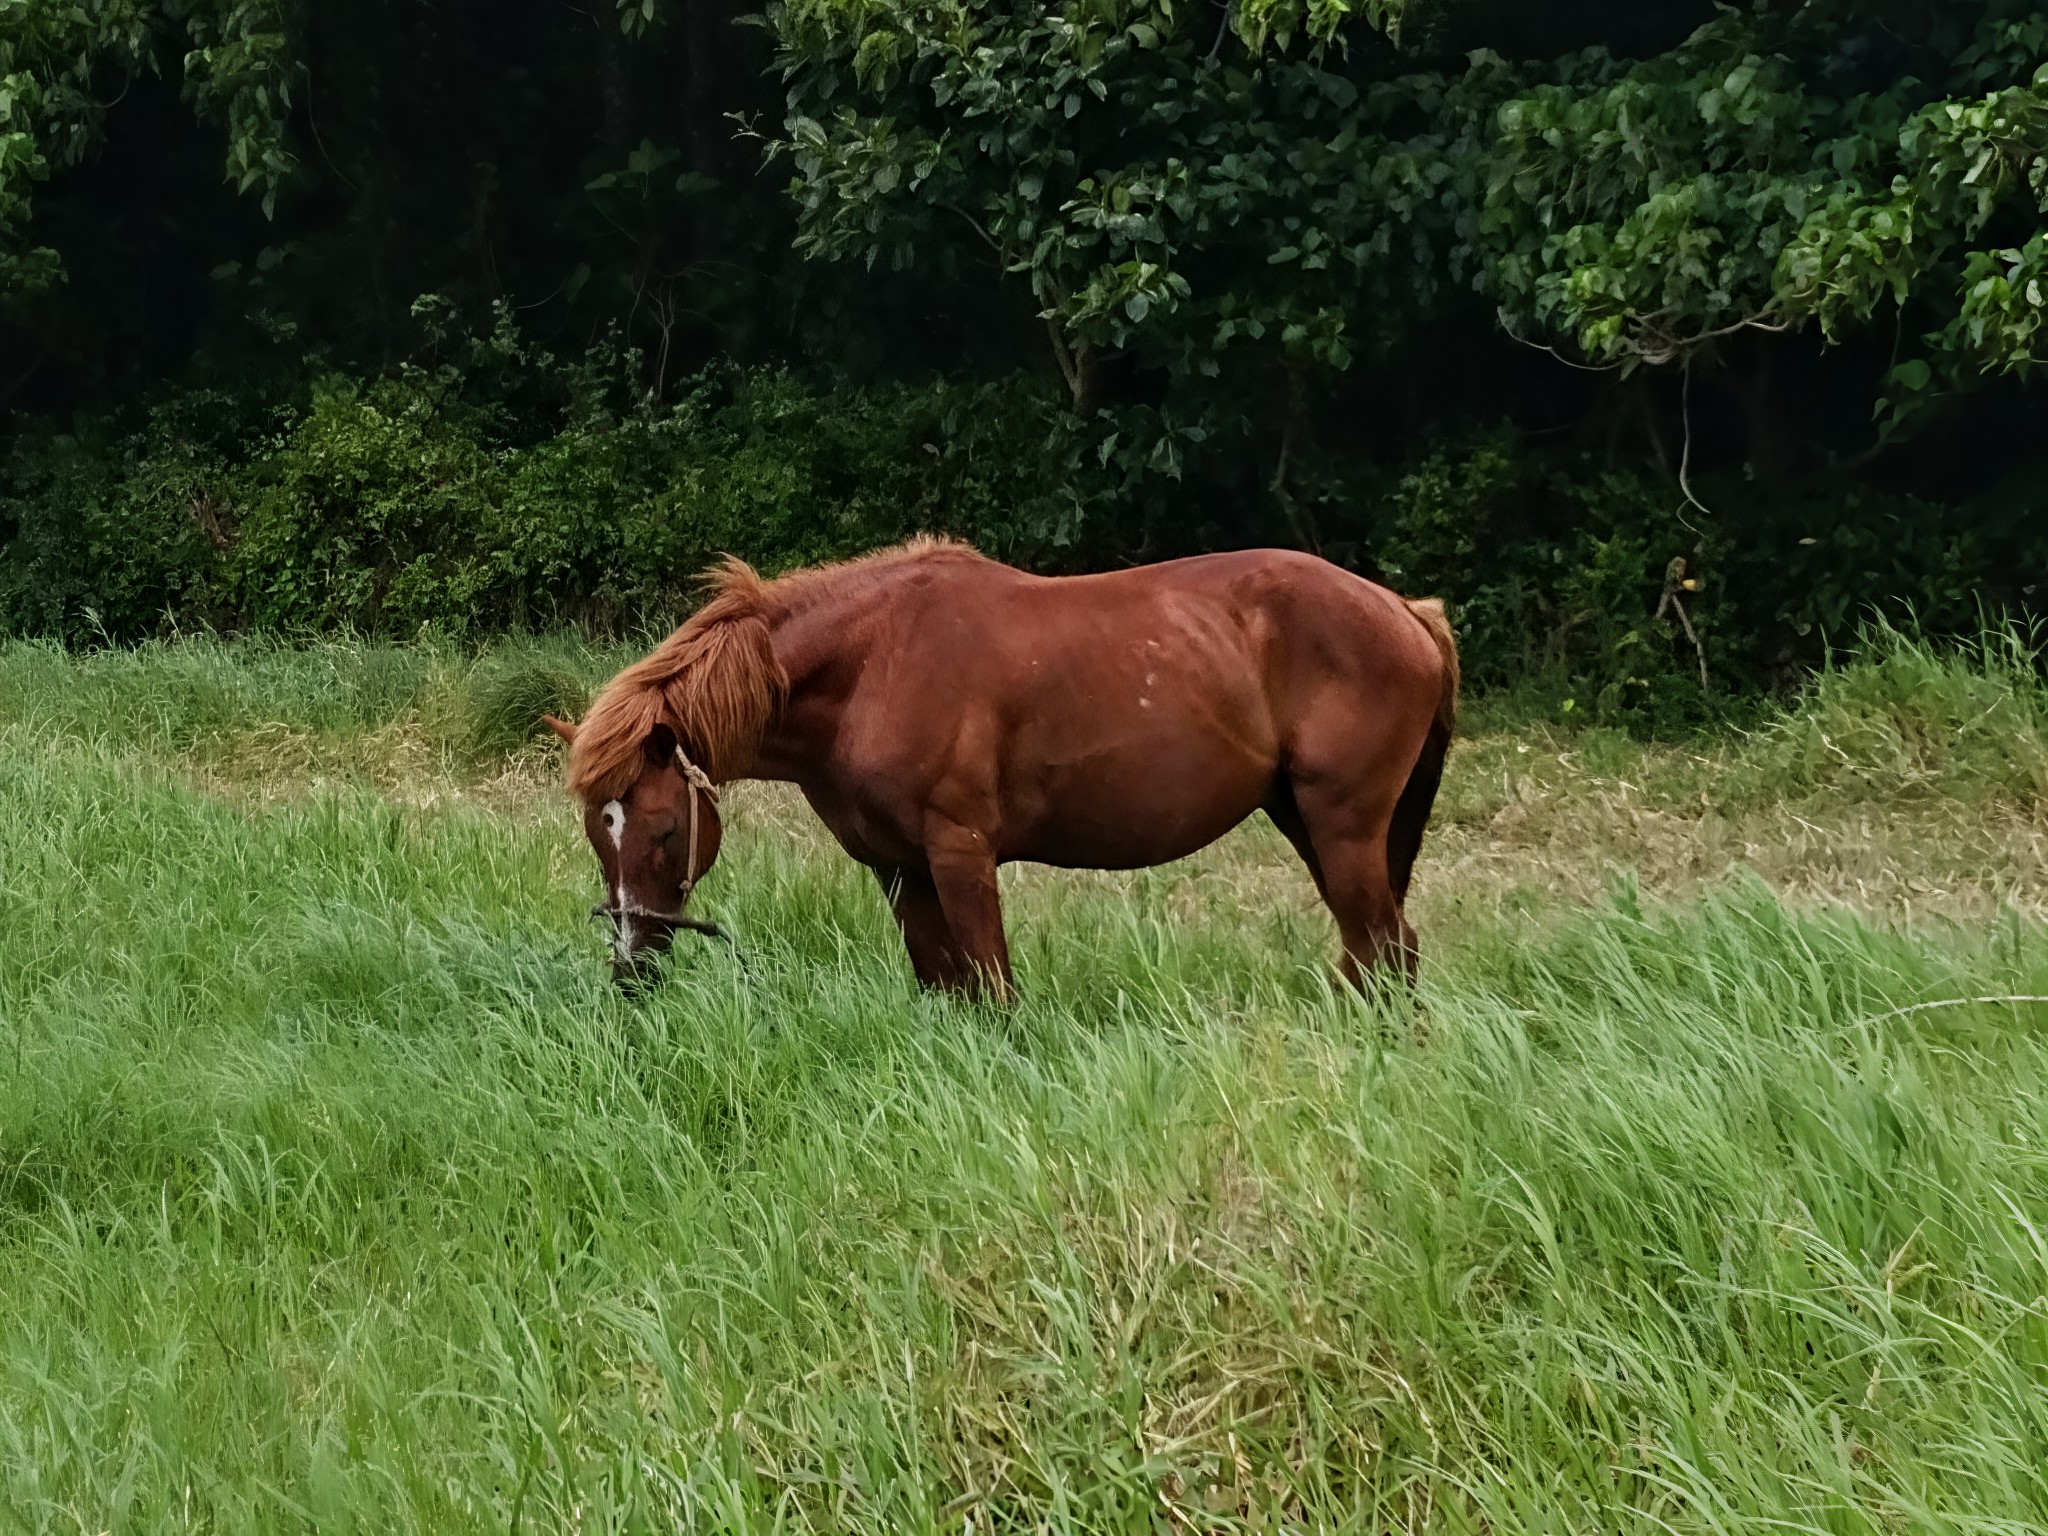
{"x":1362,"y":771}
{"x":1418,"y":795}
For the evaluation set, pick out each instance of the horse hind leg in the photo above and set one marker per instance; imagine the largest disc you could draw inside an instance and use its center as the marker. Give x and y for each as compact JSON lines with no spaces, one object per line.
{"x":1343,"y":837}
{"x":1282,"y":811}
{"x":1376,"y":932}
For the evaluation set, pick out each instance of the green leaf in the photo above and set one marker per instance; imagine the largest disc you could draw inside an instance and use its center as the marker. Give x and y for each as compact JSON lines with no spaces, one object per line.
{"x":1914,"y":376}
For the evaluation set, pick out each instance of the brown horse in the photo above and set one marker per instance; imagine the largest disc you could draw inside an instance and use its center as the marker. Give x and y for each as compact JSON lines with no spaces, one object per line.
{"x":944,"y":714}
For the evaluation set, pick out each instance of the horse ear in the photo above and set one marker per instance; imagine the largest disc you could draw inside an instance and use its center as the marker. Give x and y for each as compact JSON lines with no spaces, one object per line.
{"x":660,"y":745}
{"x":566,"y":729}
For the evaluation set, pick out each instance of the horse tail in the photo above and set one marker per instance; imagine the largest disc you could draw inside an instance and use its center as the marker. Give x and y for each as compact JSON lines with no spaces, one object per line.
{"x":1418,"y":797}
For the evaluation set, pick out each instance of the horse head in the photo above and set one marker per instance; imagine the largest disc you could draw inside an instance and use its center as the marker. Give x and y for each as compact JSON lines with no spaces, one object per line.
{"x":655,"y":838}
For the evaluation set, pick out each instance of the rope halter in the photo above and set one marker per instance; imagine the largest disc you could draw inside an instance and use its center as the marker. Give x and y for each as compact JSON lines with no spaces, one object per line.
{"x":700,"y":786}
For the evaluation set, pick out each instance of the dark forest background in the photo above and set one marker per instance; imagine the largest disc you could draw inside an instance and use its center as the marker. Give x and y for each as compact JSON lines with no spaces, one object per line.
{"x":1665,"y":340}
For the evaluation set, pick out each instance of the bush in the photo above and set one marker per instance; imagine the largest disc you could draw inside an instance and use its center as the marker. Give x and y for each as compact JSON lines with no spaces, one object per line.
{"x":107,"y":536}
{"x":396,"y":505}
{"x":1557,"y":571}
{"x":1558,"y":577}
{"x":493,"y":488}
{"x":509,"y":689}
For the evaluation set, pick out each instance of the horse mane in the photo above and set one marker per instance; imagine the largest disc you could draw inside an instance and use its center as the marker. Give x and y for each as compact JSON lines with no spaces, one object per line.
{"x":715,"y":682}
{"x":793,"y":588}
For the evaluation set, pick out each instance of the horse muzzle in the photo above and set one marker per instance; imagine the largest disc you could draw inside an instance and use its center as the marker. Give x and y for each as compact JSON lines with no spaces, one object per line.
{"x":633,"y":962}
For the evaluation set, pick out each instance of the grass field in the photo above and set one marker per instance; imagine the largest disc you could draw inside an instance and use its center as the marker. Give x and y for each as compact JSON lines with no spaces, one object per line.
{"x":339,"y":1192}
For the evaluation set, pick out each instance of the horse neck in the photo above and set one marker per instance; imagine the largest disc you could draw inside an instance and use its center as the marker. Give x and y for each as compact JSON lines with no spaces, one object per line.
{"x":822,"y":639}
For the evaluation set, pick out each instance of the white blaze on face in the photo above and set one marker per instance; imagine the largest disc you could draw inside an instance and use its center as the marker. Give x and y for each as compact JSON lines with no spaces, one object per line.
{"x":614,"y":817}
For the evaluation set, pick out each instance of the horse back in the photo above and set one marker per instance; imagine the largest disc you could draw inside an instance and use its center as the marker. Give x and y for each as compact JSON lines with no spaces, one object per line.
{"x":1281,"y":623}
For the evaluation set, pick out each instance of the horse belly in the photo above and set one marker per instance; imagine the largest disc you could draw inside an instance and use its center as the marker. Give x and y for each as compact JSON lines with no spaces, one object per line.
{"x":1140,"y":730}
{"x":1143,"y":802}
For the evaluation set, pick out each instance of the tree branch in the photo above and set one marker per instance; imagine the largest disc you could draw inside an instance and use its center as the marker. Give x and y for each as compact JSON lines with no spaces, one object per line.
{"x":1076,"y":363}
{"x":1675,"y":582}
{"x":1541,"y":347}
{"x":1685,"y":459}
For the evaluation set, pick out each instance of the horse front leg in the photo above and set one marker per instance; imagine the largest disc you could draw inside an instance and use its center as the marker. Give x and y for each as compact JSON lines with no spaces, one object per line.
{"x":928,"y":938}
{"x":964,"y":874}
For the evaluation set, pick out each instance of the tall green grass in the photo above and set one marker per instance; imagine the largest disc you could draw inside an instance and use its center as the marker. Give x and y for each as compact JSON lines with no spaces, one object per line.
{"x":1903,"y":719}
{"x":339,"y":1191}
{"x":182,"y":699}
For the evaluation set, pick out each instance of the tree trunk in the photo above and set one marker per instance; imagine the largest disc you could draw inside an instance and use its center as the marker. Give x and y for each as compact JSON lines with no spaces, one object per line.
{"x":1767,"y":437}
{"x":1294,"y":428}
{"x":1642,"y":406}
{"x":614,"y":98}
{"x":1076,"y":362}
{"x":704,"y":24}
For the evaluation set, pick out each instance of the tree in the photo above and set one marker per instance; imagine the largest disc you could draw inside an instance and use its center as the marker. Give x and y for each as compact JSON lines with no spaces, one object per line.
{"x":60,"y":58}
{"x":1735,"y":184}
{"x":1178,"y":183}
{"x":1164,"y":185}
